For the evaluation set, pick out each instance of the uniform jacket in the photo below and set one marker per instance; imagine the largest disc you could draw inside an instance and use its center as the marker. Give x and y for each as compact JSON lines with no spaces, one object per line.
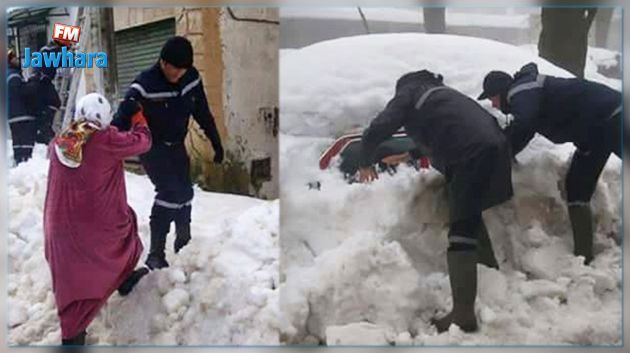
{"x":561,"y":109}
{"x":168,"y":106}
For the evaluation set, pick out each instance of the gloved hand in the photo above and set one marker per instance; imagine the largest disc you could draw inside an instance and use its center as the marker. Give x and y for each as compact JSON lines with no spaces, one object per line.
{"x":129,"y":107}
{"x":218,"y":154}
{"x":139,"y":119}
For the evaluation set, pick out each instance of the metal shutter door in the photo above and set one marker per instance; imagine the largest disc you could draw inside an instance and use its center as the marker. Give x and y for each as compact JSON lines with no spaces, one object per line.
{"x":138,"y":48}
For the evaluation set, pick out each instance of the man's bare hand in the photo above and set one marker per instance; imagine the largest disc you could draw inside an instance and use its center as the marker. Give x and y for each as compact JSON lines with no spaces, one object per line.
{"x":396,"y":159}
{"x":367,"y":174}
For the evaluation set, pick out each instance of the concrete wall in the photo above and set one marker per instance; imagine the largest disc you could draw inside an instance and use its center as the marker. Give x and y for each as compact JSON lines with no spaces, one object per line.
{"x":126,"y":17}
{"x":250,"y":39}
{"x":202,"y":27}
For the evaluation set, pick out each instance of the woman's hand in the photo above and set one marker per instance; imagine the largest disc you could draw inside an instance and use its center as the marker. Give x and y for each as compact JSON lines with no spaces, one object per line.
{"x":367,"y":174}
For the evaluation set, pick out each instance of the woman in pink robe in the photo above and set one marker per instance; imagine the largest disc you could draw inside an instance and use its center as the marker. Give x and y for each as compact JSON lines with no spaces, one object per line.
{"x":92,"y":243}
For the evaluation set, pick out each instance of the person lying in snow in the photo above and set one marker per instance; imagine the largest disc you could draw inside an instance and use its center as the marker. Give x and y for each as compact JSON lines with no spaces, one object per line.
{"x":465,"y":143}
{"x":91,"y":234}
{"x":586,"y":113}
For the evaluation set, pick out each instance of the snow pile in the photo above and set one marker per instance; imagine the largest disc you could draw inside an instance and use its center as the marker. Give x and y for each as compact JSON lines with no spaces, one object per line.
{"x":366,"y":264}
{"x":220,"y":289}
{"x":602,"y":65}
{"x":604,"y":57}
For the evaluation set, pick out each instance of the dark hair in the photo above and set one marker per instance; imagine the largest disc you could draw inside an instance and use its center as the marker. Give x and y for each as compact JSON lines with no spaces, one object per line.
{"x":177,"y":51}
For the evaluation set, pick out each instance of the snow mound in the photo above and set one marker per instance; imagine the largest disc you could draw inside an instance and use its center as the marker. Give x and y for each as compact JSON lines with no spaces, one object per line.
{"x":220,"y":289}
{"x":362,"y":260}
{"x":348,"y":80}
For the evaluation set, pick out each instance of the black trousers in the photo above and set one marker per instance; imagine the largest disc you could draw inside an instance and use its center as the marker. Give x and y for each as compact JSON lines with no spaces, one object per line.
{"x":23,"y":133}
{"x":589,"y":160}
{"x":464,"y":233}
{"x":45,"y":132}
{"x":168,"y":168}
{"x":479,"y":183}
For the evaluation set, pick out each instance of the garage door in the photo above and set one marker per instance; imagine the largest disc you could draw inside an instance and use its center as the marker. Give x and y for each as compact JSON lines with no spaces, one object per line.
{"x":138,"y":48}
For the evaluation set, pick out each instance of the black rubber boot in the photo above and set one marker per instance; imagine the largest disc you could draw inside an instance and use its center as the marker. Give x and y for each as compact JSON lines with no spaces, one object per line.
{"x":182,"y":227}
{"x":127,"y":286}
{"x":183,"y":236}
{"x":160,"y":224}
{"x":78,"y":340}
{"x":157,"y":259}
{"x":484,"y":248}
{"x":582,"y":225}
{"x":462,"y":271}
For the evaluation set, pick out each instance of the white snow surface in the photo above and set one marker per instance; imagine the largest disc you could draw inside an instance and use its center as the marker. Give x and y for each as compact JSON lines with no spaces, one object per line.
{"x":363,"y":261}
{"x":220,"y":289}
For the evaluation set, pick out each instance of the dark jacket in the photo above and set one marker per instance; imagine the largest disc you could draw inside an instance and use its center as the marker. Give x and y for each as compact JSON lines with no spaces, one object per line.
{"x":51,"y":71}
{"x":45,"y":94}
{"x":463,"y":141}
{"x":446,"y":125}
{"x":168,"y":106}
{"x":561,"y":109}
{"x":18,"y":96}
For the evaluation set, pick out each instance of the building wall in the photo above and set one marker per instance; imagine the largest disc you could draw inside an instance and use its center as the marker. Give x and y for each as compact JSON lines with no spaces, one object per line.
{"x":126,"y":17}
{"x":201,"y":27}
{"x":250,"y":39}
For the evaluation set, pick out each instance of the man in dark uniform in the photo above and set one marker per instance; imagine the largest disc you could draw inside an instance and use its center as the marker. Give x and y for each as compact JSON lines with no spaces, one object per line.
{"x":586,"y":113}
{"x":169,"y":92}
{"x":464,"y":143}
{"x":47,"y":101}
{"x":21,"y":120}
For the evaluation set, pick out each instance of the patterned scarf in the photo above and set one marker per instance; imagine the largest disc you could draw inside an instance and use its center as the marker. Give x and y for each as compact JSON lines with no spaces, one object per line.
{"x":69,"y":145}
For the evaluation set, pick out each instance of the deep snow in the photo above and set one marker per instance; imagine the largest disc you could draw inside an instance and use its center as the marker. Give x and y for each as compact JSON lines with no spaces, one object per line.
{"x":365,"y":264}
{"x":220,"y":289}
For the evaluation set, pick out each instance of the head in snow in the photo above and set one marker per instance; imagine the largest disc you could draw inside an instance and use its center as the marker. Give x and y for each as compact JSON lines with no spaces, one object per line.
{"x":94,"y":109}
{"x":495,"y":87}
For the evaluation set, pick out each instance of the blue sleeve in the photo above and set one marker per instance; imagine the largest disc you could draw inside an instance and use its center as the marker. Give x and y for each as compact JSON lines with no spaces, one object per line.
{"x":384,"y":125}
{"x":50,"y":93}
{"x":525,"y":107}
{"x":15,"y":87}
{"x":203,"y":116}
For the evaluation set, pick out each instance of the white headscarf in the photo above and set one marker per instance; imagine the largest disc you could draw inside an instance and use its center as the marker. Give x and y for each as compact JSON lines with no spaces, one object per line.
{"x":93,"y":112}
{"x":95,"y":109}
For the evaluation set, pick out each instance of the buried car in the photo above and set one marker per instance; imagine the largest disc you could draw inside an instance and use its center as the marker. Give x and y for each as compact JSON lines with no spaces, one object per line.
{"x":348,"y":149}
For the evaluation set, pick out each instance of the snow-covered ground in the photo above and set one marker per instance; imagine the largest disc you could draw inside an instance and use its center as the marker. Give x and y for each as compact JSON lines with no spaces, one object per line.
{"x":220,"y":289}
{"x":365,"y":264}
